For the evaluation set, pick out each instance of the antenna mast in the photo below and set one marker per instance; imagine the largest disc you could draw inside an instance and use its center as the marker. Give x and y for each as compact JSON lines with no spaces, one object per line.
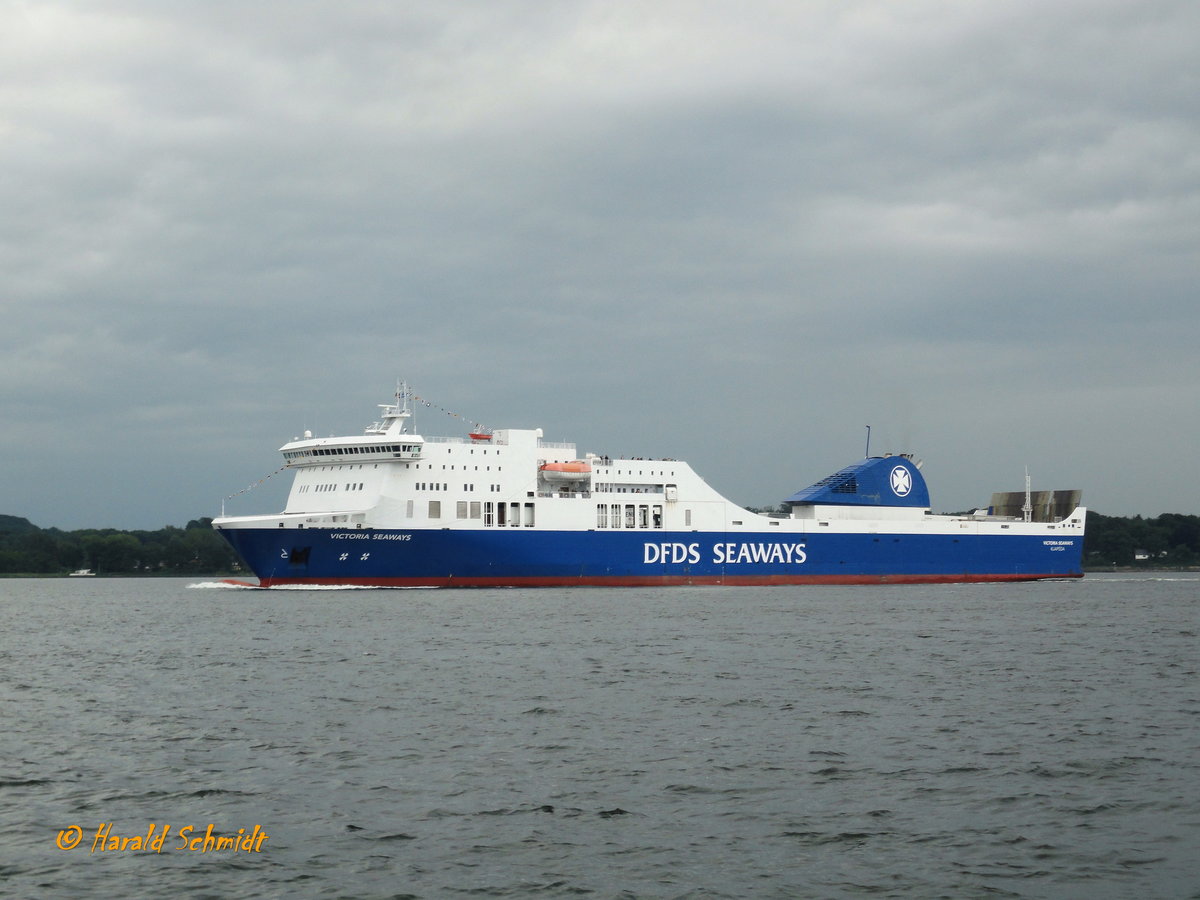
{"x":395,"y":415}
{"x":1028,"y":507}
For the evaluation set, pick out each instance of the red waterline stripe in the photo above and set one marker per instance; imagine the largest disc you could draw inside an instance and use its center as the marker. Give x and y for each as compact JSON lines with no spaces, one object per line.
{"x":657,"y":580}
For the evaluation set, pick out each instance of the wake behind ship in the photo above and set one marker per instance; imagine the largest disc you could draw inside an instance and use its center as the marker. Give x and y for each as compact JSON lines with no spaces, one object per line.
{"x":507,"y":508}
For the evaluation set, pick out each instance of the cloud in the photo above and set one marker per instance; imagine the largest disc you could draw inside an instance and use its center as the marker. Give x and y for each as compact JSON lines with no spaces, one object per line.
{"x":609,"y":219}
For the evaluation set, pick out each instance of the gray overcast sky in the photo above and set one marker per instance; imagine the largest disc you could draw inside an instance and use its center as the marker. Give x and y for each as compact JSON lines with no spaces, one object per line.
{"x":729,"y":232}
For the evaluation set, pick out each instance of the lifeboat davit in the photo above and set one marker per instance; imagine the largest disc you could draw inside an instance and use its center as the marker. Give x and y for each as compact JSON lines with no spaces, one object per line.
{"x":566,"y":471}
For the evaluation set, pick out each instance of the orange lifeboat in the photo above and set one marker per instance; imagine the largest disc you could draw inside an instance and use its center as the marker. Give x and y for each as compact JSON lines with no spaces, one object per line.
{"x":566,"y":471}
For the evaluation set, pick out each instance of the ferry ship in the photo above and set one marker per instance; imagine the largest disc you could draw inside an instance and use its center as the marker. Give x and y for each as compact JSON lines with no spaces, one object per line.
{"x":506,"y":508}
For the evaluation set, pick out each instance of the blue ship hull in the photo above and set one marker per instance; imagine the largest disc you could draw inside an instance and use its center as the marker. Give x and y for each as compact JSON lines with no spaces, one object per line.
{"x":493,"y":557}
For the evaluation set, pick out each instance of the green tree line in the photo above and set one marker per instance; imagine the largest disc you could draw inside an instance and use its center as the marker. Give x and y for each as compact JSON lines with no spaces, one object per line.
{"x":195,"y":549}
{"x":1167,"y":541}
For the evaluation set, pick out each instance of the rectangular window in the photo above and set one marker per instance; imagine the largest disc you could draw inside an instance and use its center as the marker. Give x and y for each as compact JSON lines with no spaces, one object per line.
{"x":461,"y":509}
{"x":630,"y":519}
{"x":643,"y":516}
{"x":687,"y":518}
{"x":515,"y":514}
{"x":528,"y":515}
{"x":501,"y":514}
{"x":488,"y":513}
{"x":408,"y":509}
{"x":435,"y":509}
{"x":601,"y":515}
{"x":474,"y":509}
{"x":615,"y":517}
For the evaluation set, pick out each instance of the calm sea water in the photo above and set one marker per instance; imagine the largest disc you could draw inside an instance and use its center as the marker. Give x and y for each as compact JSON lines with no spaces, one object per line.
{"x":1037,"y":740}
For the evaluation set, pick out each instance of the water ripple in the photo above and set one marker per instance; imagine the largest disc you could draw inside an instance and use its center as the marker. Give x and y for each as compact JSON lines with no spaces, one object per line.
{"x":972,"y":740}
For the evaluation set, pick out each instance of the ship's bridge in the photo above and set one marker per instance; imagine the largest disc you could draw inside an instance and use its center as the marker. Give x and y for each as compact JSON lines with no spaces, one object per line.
{"x":385,"y":439}
{"x":391,"y":440}
{"x":343,"y":449}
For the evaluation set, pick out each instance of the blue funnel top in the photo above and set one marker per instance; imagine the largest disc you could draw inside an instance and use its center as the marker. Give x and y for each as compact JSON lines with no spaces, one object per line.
{"x":876,"y":481}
